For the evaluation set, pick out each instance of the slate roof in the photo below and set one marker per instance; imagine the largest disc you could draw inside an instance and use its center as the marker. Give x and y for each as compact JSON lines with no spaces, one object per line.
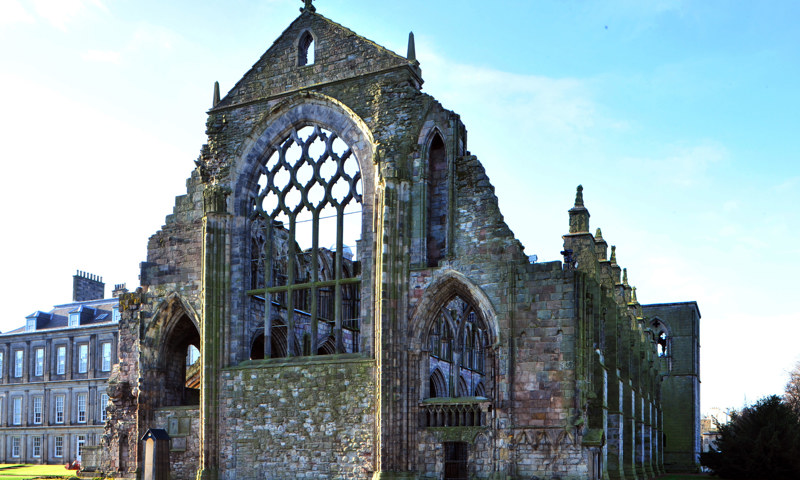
{"x":94,"y":312}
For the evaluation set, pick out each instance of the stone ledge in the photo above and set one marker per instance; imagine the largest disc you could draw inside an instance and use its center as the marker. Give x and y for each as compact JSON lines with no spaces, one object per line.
{"x":296,"y":361}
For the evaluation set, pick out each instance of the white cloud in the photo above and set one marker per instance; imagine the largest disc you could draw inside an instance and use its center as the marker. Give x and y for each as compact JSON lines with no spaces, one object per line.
{"x":534,"y":103}
{"x":12,"y":11}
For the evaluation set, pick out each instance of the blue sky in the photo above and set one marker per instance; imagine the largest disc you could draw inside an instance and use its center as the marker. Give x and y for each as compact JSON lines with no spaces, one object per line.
{"x":679,"y":119}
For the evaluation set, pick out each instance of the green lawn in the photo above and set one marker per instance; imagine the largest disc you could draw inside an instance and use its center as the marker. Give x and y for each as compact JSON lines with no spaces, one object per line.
{"x":28,"y":472}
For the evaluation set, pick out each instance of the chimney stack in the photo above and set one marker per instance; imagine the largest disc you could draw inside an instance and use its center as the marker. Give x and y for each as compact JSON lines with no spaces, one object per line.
{"x":119,"y":289}
{"x":87,"y":286}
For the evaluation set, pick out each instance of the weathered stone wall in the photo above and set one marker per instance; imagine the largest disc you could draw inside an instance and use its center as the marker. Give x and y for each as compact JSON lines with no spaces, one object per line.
{"x":183,"y":427}
{"x":680,"y":391}
{"x":307,"y":418}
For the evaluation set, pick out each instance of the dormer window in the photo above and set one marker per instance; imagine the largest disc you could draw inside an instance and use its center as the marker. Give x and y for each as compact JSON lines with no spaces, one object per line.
{"x":305,"y":49}
{"x":115,"y":315}
{"x":74,"y":319}
{"x":30,"y":324}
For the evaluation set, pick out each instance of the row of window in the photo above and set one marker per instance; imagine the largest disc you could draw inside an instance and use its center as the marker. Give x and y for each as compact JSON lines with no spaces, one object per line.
{"x":61,"y":360}
{"x":58,"y":446}
{"x":38,"y":416}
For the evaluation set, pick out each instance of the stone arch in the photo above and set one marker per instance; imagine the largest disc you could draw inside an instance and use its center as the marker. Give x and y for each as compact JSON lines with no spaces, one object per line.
{"x":437,"y":198}
{"x":174,"y":329}
{"x":297,"y":111}
{"x":437,"y":384}
{"x":663,"y":337}
{"x":286,"y":117}
{"x":463,"y":388}
{"x":445,"y":286}
{"x":452,"y":300}
{"x":257,"y":345}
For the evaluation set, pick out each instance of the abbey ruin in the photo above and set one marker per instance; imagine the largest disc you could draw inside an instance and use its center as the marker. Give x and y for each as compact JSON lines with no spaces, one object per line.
{"x":362,"y":311}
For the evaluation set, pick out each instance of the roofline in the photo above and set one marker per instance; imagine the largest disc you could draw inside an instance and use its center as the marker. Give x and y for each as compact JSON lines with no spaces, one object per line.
{"x":98,"y":301}
{"x":288,"y":27}
{"x":691,"y":302}
{"x":60,"y":329}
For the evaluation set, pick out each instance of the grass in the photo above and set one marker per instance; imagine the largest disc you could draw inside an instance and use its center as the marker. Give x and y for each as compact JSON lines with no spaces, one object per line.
{"x":673,"y":476}
{"x":29,"y":472}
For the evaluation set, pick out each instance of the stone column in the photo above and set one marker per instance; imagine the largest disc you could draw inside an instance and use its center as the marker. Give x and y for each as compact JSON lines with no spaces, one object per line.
{"x":639,"y":426}
{"x":629,"y":427}
{"x":216,"y":285}
{"x":616,"y":435}
{"x":648,"y":433}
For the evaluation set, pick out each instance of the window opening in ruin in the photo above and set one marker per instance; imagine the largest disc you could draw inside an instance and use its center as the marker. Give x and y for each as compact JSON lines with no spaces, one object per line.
{"x":456,"y":456}
{"x":457,"y":342}
{"x":304,"y":246}
{"x":438,"y":192}
{"x":181,"y":365}
{"x":305,"y":49}
{"x":662,"y":338}
{"x":257,"y":348}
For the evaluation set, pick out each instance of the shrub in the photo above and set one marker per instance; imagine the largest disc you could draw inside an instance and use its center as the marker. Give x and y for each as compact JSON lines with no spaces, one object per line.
{"x":761,"y":442}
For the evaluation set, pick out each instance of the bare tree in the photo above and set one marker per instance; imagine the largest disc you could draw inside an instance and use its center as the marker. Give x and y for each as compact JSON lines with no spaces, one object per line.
{"x":792,"y":394}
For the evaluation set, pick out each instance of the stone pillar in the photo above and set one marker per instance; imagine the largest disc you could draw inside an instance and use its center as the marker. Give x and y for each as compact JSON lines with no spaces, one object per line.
{"x":648,"y":434}
{"x":629,"y":431}
{"x":216,"y":285}
{"x":396,"y":452}
{"x":616,"y":436}
{"x":639,"y":426}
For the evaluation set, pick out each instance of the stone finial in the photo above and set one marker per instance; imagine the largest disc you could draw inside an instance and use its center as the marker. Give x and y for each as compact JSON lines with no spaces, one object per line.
{"x":579,"y":215}
{"x":579,"y":196}
{"x":412,"y":50}
{"x":309,"y":6}
{"x":216,"y":94}
{"x":598,"y":235}
{"x":625,"y":276}
{"x":613,"y":258}
{"x":633,"y":295}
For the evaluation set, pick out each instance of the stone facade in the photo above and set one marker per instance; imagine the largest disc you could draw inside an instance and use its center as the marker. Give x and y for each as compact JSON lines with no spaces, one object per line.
{"x":362,"y":310}
{"x":53,"y":377}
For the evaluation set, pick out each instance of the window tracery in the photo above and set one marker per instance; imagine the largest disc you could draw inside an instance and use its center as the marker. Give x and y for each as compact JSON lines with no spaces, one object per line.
{"x":457,"y":342}
{"x":309,"y":197}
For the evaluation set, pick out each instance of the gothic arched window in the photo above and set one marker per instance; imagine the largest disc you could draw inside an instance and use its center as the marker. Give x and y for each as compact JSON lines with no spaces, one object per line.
{"x":662,"y":337}
{"x":304,"y":254}
{"x":305,"y":49}
{"x":457,"y":342}
{"x":438,"y":193}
